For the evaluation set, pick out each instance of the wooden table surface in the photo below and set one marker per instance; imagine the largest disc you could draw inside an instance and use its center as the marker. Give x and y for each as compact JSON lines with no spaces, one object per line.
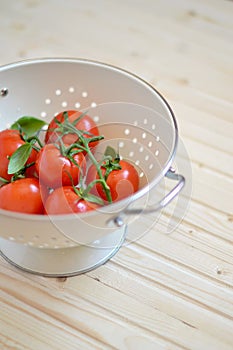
{"x":166,"y":290}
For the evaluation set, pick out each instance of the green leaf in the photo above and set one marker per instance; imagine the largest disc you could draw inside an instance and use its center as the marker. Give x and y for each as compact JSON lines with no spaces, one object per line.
{"x":110,"y":151}
{"x":19,"y":158}
{"x":28,"y":125}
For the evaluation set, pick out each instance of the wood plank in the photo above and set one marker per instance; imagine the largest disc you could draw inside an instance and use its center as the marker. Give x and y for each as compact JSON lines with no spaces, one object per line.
{"x":18,"y":325}
{"x":184,"y":255}
{"x":149,"y":290}
{"x":67,"y":303}
{"x":150,"y":318}
{"x":70,"y":310}
{"x":197,"y":237}
{"x":195,"y":209}
{"x":206,"y":156}
{"x":207,"y":186}
{"x":212,"y":189}
{"x":197,"y":217}
{"x":185,"y":100}
{"x":205,"y":128}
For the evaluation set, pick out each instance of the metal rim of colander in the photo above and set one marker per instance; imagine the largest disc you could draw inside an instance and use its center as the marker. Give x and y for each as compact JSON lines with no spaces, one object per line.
{"x":139,"y":193}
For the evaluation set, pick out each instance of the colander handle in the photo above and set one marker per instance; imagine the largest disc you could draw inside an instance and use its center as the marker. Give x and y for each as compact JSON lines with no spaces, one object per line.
{"x":171,"y":174}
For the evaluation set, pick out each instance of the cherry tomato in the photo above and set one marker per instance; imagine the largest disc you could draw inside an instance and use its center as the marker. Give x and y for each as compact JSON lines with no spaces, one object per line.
{"x":64,"y":200}
{"x":55,"y":170}
{"x":10,"y":141}
{"x":86,"y":123}
{"x":122,"y":183}
{"x":23,"y":195}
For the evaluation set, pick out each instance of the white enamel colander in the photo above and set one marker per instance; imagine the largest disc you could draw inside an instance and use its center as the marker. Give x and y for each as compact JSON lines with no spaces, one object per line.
{"x":133,"y":117}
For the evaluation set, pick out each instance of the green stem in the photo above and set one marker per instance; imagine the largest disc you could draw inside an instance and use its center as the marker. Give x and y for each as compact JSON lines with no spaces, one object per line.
{"x":35,"y":139}
{"x":90,"y":185}
{"x":85,"y":142}
{"x":29,"y":165}
{"x":79,"y":147}
{"x":98,"y":168}
{"x":4,"y":181}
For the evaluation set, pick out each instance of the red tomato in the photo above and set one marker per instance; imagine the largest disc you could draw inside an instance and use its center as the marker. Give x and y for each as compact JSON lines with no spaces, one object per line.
{"x":64,"y":200}
{"x":10,"y":141}
{"x":86,"y":123}
{"x":55,"y":170}
{"x":24,"y":196}
{"x":122,"y":183}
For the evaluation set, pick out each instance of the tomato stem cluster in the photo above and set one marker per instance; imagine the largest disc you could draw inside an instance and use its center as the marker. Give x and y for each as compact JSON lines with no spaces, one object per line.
{"x":82,"y":144}
{"x":29,"y":129}
{"x":55,"y":165}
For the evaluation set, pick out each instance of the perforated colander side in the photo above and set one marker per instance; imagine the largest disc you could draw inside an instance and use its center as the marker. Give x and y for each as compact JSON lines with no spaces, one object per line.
{"x":130,"y":113}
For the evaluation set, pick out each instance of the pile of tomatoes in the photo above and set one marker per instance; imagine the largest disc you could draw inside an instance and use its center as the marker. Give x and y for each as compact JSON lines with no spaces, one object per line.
{"x":52,"y":169}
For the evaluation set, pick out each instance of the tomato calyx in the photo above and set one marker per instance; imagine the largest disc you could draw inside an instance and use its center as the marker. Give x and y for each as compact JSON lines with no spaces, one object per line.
{"x":69,"y":151}
{"x":66,"y":127}
{"x":110,"y":165}
{"x":87,"y":196}
{"x":20,"y":174}
{"x":111,"y":161}
{"x":16,"y":176}
{"x":84,"y":193}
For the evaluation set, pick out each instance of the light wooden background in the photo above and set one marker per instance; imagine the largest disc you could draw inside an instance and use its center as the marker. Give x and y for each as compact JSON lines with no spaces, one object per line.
{"x":164,"y":291}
